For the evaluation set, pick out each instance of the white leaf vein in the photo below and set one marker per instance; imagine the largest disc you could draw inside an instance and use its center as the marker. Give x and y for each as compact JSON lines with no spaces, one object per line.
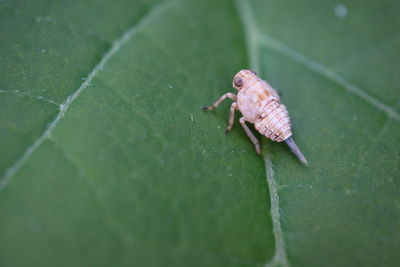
{"x":252,"y":42}
{"x":115,"y":47}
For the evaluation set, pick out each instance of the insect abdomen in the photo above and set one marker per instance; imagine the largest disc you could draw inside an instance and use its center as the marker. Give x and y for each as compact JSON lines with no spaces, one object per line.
{"x":274,"y":122}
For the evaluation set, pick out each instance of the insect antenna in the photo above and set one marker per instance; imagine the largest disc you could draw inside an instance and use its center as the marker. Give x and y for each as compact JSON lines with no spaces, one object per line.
{"x":290,"y":142}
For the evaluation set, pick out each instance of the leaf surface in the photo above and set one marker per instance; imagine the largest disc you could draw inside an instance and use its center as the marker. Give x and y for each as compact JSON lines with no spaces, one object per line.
{"x":128,"y":170}
{"x":107,"y":158}
{"x":337,"y":71}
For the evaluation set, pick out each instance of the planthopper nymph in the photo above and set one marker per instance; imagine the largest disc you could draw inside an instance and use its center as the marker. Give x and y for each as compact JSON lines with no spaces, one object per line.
{"x":261,"y":105}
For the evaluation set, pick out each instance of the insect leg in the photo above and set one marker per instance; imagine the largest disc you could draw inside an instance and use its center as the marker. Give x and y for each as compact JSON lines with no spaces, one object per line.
{"x":250,"y":135}
{"x":231,"y":116}
{"x":222,"y":98}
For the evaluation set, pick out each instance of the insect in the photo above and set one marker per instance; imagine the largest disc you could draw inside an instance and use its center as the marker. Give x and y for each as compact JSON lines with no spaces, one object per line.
{"x":259,"y":104}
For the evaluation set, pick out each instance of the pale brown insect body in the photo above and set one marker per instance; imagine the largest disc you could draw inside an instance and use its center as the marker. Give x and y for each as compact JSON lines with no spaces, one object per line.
{"x":260,"y":104}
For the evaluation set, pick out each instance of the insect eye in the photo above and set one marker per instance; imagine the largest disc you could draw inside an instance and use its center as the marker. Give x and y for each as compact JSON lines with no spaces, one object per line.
{"x":238,"y":82}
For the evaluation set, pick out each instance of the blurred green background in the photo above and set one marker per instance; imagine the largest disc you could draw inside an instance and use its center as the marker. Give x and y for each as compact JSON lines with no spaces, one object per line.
{"x":106,"y":158}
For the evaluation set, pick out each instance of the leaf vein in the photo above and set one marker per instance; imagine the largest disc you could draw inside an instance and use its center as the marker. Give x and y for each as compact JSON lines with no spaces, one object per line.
{"x":41,"y":98}
{"x":252,"y":42}
{"x":280,"y":257}
{"x":315,"y":66}
{"x":115,"y":47}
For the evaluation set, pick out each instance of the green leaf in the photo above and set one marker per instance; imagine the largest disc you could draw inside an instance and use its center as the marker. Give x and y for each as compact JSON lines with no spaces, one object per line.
{"x":338,"y":74}
{"x":107,"y":158}
{"x":128,"y":170}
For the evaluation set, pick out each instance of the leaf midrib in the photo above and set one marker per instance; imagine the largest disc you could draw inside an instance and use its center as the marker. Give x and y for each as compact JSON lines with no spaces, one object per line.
{"x":254,"y":38}
{"x":252,"y":41}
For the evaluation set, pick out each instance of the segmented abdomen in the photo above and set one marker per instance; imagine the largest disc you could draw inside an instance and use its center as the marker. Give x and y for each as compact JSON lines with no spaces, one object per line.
{"x":274,"y":122}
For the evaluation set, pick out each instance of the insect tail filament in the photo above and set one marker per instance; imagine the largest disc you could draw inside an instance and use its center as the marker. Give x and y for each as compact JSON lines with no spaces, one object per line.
{"x":290,"y":142}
